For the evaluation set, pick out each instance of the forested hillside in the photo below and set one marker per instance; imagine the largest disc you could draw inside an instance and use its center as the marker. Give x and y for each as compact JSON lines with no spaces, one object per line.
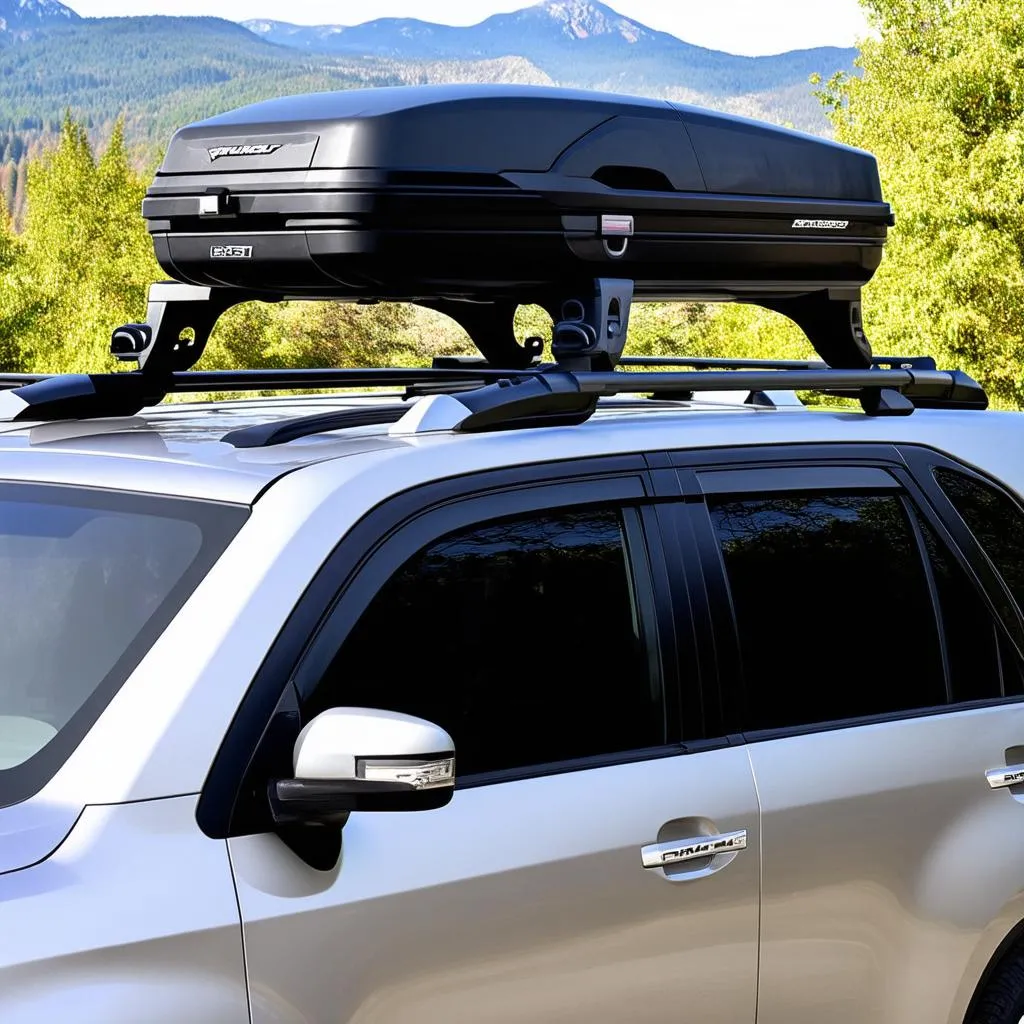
{"x":160,"y":73}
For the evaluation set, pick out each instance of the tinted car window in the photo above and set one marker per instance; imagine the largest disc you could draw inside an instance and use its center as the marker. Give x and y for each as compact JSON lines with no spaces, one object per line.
{"x":88,"y":580}
{"x":521,"y":637}
{"x":996,"y":522}
{"x":970,"y":634}
{"x":833,"y":608}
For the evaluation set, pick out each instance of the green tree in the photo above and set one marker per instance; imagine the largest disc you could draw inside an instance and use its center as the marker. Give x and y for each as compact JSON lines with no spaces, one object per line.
{"x":87,"y":249}
{"x":941,"y":104}
{"x":20,"y":304}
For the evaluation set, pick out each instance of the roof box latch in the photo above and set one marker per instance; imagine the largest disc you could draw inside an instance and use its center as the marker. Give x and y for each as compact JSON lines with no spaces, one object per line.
{"x":616,"y":231}
{"x":217,"y":202}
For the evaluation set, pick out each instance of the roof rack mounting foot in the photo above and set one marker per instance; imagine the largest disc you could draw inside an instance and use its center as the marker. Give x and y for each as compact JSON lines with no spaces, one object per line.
{"x":831,"y":319}
{"x":158,"y":345}
{"x":885,"y":402}
{"x":592,"y":331}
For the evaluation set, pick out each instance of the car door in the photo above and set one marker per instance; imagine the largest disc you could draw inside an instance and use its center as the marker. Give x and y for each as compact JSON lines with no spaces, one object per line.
{"x":574,"y":877}
{"x":876,"y":683}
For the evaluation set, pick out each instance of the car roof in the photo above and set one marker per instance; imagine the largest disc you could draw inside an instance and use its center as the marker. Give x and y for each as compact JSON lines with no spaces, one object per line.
{"x":177,"y":448}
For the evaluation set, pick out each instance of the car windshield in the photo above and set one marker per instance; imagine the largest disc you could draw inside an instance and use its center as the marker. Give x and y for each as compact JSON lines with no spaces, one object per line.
{"x":88,"y":580}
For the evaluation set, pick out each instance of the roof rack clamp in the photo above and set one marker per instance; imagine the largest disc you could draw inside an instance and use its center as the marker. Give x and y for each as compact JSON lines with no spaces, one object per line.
{"x":160,"y":345}
{"x":592,"y":332}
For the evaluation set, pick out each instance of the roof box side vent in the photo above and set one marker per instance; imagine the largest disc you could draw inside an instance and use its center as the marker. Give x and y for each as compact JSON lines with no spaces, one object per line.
{"x":659,"y":144}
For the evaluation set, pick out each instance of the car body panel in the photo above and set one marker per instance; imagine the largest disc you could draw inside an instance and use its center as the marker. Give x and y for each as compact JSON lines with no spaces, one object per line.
{"x":185,"y":691}
{"x":518,"y":901}
{"x":885,"y":857}
{"x":31,"y":831}
{"x":133,"y":920}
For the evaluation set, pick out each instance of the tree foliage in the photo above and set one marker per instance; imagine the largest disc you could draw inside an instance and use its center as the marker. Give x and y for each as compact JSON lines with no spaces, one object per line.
{"x":85,"y":250}
{"x":20,"y":305}
{"x":941,"y":104}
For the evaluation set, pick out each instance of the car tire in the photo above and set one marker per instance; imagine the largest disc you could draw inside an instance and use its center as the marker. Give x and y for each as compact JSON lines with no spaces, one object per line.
{"x":1001,"y":1001}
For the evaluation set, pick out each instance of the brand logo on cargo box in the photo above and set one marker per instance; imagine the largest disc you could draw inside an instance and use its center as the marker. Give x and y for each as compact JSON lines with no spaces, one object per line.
{"x":822,"y":225}
{"x":263,"y":149}
{"x":230,"y":252}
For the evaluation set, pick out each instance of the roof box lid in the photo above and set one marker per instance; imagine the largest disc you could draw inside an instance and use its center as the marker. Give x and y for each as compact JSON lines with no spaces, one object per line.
{"x":494,"y":130}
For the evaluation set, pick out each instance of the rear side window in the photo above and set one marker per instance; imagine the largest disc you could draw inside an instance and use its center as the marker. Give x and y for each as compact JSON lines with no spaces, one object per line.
{"x":996,"y":522}
{"x":88,"y":580}
{"x":833,"y":608}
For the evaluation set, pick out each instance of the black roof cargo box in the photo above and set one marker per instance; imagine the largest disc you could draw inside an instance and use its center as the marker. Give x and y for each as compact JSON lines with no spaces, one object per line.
{"x":500,"y":193}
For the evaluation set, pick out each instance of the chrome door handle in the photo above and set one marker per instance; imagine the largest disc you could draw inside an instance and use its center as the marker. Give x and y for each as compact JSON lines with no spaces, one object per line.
{"x":1000,"y":778}
{"x":678,"y":851}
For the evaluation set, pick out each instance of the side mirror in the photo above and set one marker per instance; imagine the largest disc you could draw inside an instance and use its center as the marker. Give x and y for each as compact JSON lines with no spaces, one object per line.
{"x":359,"y":759}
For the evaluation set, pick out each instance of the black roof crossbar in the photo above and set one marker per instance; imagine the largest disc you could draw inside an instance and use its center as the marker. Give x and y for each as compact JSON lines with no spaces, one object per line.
{"x":491,"y":396}
{"x":705,"y":363}
{"x":557,"y":395}
{"x":499,"y":397}
{"x":549,"y":398}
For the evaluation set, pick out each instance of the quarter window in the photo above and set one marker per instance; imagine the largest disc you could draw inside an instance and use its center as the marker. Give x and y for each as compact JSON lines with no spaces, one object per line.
{"x":996,"y":522}
{"x":977,"y":656}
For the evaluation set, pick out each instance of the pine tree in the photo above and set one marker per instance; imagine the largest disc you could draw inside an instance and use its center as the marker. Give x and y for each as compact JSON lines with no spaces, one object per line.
{"x":17,"y":207}
{"x":87,"y":247}
{"x":8,"y":184}
{"x":129,"y":263}
{"x":20,"y":305}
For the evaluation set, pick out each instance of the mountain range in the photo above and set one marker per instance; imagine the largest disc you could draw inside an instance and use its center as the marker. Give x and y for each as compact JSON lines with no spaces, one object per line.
{"x":20,"y":18}
{"x":161,"y":72}
{"x":582,"y":42}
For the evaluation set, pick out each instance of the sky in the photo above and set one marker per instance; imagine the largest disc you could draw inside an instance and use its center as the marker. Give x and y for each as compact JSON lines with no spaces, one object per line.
{"x":738,"y":26}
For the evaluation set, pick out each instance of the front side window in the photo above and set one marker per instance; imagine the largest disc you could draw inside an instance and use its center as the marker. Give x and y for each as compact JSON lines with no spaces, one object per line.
{"x":833,"y":608}
{"x":521,"y":637}
{"x":88,"y":580}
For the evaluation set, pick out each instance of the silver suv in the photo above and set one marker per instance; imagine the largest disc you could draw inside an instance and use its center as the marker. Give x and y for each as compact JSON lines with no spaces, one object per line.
{"x":734,"y":685}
